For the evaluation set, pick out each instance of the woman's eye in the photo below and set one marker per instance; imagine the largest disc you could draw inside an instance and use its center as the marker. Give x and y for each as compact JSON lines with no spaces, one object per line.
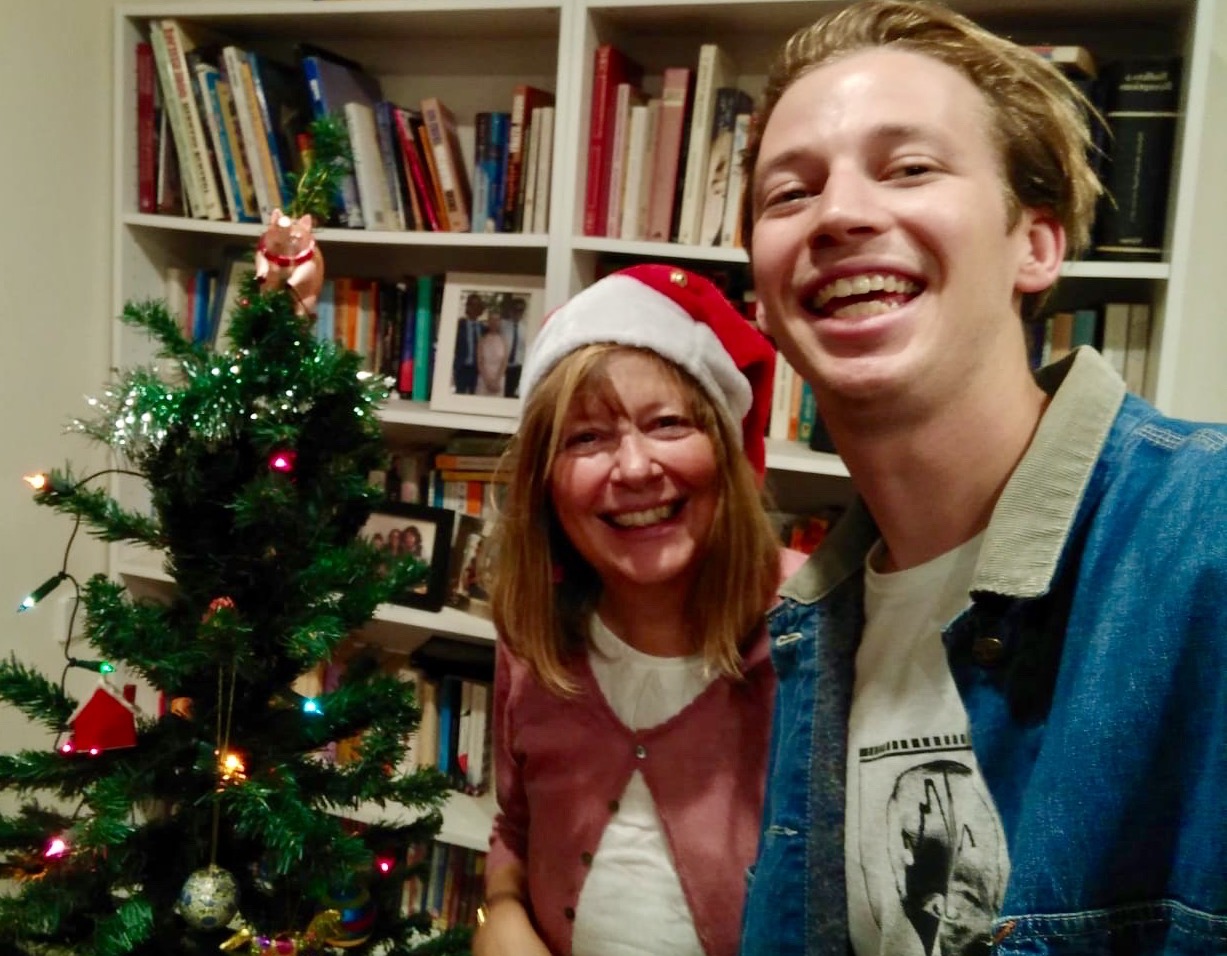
{"x":671,"y":423}
{"x":581,"y":439}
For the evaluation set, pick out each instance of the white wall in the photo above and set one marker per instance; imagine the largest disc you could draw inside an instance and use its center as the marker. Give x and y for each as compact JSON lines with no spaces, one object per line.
{"x":55,"y":254}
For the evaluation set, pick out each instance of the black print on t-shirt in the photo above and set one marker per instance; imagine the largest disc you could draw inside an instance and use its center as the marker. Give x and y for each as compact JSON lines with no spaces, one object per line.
{"x":943,"y":842}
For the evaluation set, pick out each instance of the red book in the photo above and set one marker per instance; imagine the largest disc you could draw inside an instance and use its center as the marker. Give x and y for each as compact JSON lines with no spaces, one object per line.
{"x":610,"y":67}
{"x":415,"y":167}
{"x":675,"y":95}
{"x":146,"y":129}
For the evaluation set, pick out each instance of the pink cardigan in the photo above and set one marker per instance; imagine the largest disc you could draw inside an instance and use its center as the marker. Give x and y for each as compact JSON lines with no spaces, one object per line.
{"x":562,"y":763}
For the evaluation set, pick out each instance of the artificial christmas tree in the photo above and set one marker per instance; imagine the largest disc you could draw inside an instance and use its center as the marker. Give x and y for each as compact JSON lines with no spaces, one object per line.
{"x":220,"y":825}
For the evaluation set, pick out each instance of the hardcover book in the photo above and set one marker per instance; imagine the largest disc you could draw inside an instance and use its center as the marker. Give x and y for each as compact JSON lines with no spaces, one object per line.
{"x":1143,"y":101}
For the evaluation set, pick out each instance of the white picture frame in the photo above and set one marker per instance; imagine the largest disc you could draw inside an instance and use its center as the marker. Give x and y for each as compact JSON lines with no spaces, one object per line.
{"x":475,"y":371}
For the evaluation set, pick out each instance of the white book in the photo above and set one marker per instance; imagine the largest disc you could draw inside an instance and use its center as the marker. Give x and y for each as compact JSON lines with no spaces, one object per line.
{"x":625,"y":96}
{"x":631,"y":224}
{"x":545,"y":167}
{"x":715,"y":70}
{"x":781,"y":399}
{"x":1116,"y":335}
{"x":478,"y":733}
{"x":1138,"y":348}
{"x":729,"y":231}
{"x":530,"y":172}
{"x":373,"y":193}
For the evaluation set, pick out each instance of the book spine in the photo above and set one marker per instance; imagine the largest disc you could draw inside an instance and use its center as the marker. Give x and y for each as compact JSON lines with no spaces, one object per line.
{"x":602,"y":92}
{"x":1143,"y":104}
{"x":268,"y":172}
{"x":500,"y":131}
{"x":440,"y":127}
{"x":617,"y":157}
{"x":183,"y":86}
{"x":481,"y":170}
{"x":174,"y":110}
{"x":408,"y":339}
{"x":350,"y":207}
{"x":234,"y":67}
{"x":1137,"y":351}
{"x":280,"y":164}
{"x":422,"y":135}
{"x":246,"y":189}
{"x":528,"y":205}
{"x":419,"y":175}
{"x":1116,"y":335}
{"x":545,"y":168}
{"x":423,"y":338}
{"x":146,"y":129}
{"x":730,"y":229}
{"x":675,"y":94}
{"x":712,"y":73}
{"x":207,"y":76}
{"x":719,"y":158}
{"x":368,"y":165}
{"x":391,"y":168}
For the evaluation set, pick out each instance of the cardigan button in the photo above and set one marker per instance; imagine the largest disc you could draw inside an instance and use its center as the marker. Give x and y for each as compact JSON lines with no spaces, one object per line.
{"x":613,"y":806}
{"x":641,"y":751}
{"x":987,"y":651}
{"x":569,"y":912}
{"x":585,"y":858}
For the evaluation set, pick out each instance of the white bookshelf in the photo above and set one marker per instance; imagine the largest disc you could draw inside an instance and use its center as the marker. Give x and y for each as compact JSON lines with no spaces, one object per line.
{"x":472,"y":53}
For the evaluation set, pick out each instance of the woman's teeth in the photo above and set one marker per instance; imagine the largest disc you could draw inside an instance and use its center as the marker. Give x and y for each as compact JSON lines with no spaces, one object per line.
{"x":641,"y":519}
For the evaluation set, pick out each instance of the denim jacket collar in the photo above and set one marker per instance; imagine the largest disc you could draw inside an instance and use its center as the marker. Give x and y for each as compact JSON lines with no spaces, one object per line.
{"x":1024,"y":540}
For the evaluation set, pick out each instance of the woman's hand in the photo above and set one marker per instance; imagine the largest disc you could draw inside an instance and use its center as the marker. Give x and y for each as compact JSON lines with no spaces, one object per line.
{"x":507,"y":930}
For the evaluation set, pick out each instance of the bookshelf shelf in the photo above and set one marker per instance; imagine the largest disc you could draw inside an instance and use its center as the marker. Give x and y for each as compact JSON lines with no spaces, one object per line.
{"x":340,"y":237}
{"x":466,"y":819}
{"x":398,"y":411}
{"x":795,"y":457}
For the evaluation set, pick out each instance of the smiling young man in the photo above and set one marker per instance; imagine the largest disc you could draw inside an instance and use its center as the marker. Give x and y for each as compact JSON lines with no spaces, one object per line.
{"x":1001,"y":722}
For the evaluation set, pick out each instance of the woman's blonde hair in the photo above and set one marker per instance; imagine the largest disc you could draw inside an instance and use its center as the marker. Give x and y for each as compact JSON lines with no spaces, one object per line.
{"x":543,"y":592}
{"x":1039,"y":119}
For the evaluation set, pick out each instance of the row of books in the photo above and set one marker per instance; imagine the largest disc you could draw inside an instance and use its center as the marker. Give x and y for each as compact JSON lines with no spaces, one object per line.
{"x":451,"y":887}
{"x":452,"y":682}
{"x":666,"y":168}
{"x":1119,"y":330}
{"x":467,"y":482}
{"x":221,"y":130}
{"x":217,"y":126}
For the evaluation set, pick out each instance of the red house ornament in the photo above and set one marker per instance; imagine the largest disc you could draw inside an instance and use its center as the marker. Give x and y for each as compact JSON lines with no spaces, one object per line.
{"x":106,"y":721}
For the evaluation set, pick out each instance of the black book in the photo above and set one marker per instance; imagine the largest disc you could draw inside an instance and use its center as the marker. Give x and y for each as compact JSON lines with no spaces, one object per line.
{"x":1143,"y":101}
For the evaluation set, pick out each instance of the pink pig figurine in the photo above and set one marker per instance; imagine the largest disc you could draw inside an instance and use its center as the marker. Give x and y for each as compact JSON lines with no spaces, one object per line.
{"x":287,"y":255}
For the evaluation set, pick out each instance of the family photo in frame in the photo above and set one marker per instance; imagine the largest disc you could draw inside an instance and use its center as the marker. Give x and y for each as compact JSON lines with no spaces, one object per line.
{"x":400,"y":528}
{"x":486,"y":324}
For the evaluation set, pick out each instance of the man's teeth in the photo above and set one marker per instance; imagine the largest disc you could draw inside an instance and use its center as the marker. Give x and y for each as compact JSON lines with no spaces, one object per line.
{"x":641,"y":519}
{"x":863,"y":285}
{"x":865,"y":308}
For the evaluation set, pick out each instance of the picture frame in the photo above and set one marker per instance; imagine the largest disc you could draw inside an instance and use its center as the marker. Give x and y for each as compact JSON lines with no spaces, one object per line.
{"x":433,"y":529}
{"x":477,"y":366}
{"x":464,"y":589}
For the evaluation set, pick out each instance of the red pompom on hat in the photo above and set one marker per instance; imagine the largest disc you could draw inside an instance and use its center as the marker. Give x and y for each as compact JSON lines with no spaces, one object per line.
{"x":682,"y":317}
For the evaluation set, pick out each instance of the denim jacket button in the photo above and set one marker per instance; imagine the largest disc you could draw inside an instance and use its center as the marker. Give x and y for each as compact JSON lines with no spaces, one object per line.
{"x":987,"y":651}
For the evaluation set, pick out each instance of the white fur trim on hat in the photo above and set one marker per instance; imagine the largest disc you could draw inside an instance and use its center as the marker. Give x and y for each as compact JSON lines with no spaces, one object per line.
{"x":625,"y":311}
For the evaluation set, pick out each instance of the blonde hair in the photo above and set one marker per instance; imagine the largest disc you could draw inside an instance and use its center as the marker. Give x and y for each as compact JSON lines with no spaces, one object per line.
{"x":1038,"y":117}
{"x":545,"y":621}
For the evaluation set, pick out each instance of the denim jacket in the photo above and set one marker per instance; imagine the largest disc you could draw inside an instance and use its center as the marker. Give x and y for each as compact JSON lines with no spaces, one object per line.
{"x":1092,"y":662}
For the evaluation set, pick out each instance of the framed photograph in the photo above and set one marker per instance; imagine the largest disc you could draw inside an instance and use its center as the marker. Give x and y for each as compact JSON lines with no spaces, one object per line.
{"x":402,"y":528}
{"x":465,"y":588}
{"x":485,"y":325}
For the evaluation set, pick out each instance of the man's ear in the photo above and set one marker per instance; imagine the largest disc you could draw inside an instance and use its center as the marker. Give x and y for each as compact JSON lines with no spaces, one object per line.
{"x":1043,"y":251}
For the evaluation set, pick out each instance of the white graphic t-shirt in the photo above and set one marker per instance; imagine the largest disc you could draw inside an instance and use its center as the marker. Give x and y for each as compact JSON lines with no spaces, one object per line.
{"x":925,"y":854}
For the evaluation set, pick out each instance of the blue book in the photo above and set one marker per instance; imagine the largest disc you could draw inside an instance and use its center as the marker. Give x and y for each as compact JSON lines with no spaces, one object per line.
{"x":496,"y":169}
{"x":332,"y":82}
{"x":408,"y":341}
{"x":1086,"y":325}
{"x":284,"y":113}
{"x":325,"y":313}
{"x":211,"y":77}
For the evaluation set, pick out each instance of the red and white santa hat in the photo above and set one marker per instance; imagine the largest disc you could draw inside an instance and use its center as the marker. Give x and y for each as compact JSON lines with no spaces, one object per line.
{"x":682,"y":317}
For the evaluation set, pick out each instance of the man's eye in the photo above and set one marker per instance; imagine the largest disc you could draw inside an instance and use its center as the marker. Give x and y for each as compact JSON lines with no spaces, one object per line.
{"x":782,"y":196}
{"x":911,"y":170}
